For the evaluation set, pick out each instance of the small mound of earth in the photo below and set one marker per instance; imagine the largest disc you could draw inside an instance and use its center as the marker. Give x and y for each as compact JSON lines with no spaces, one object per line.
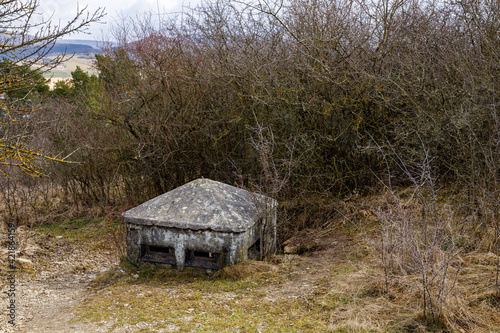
{"x":245,"y":270}
{"x":307,"y":241}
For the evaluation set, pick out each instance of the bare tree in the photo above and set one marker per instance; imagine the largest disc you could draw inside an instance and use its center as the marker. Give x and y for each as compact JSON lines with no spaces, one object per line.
{"x":26,"y":41}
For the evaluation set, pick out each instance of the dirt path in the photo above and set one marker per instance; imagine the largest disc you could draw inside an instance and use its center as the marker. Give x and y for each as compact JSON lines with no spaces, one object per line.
{"x":311,"y":268}
{"x":47,"y":306}
{"x":53,"y":282}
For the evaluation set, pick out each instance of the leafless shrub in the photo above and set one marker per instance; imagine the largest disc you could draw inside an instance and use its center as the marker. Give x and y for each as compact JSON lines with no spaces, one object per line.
{"x":117,"y":233}
{"x":423,"y":237}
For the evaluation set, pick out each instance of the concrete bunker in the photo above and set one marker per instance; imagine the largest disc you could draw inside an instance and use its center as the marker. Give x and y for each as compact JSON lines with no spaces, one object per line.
{"x":203,"y":223}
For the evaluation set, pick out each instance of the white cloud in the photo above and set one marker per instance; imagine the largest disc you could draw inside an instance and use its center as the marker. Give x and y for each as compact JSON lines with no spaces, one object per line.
{"x":64,"y":10}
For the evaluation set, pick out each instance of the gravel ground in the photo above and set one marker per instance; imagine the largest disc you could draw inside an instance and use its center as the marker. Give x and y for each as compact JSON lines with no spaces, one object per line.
{"x":52,"y":277}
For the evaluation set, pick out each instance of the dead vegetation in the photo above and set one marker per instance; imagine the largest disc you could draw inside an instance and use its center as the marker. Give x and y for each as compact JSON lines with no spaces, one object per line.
{"x":343,"y":275}
{"x":245,"y":270}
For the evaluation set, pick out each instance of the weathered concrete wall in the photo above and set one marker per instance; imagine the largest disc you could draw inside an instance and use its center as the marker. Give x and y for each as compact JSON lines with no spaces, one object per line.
{"x":232,"y":245}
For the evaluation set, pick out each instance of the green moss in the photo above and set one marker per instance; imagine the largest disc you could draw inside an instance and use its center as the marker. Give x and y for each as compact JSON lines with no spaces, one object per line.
{"x":69,"y":228}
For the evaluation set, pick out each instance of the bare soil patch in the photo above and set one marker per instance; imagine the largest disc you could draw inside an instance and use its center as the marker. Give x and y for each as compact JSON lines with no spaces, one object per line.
{"x":55,"y":281}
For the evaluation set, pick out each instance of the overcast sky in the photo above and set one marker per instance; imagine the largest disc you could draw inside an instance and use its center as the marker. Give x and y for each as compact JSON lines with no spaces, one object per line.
{"x":64,"y":10}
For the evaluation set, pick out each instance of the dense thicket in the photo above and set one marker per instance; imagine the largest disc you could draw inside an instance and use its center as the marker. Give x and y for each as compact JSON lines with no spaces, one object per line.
{"x":307,"y":95}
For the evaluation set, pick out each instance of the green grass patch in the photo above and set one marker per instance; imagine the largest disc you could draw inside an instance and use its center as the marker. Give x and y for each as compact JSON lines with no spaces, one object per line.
{"x":80,"y":229}
{"x":191,"y":309}
{"x":192,"y":301}
{"x":158,"y":275}
{"x":69,"y":228}
{"x":64,"y":70}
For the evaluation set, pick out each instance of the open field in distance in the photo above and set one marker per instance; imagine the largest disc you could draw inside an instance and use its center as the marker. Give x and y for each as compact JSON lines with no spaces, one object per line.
{"x":63,"y":71}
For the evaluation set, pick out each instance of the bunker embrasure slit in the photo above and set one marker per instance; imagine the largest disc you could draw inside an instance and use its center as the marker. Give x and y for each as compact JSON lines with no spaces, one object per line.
{"x":159,"y":254}
{"x":254,"y":250}
{"x":203,"y":259}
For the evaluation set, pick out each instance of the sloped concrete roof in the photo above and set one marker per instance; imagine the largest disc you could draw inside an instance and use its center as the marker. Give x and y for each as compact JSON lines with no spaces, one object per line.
{"x":202,"y":204}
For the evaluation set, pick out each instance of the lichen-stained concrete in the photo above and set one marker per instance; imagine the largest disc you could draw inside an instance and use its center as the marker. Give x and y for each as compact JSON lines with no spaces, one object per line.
{"x":204,"y":216}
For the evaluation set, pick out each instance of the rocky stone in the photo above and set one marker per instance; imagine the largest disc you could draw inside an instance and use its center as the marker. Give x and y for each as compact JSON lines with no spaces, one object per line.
{"x":24,"y":263}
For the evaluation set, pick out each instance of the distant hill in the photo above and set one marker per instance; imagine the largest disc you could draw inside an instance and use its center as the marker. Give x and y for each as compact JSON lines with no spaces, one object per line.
{"x":70,"y":47}
{"x":93,"y":43}
{"x":73,"y":48}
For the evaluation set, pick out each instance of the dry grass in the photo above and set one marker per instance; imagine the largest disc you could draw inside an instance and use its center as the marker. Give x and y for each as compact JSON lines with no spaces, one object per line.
{"x":349,"y":298}
{"x":340,"y":288}
{"x":310,"y":293}
{"x":245,"y":270}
